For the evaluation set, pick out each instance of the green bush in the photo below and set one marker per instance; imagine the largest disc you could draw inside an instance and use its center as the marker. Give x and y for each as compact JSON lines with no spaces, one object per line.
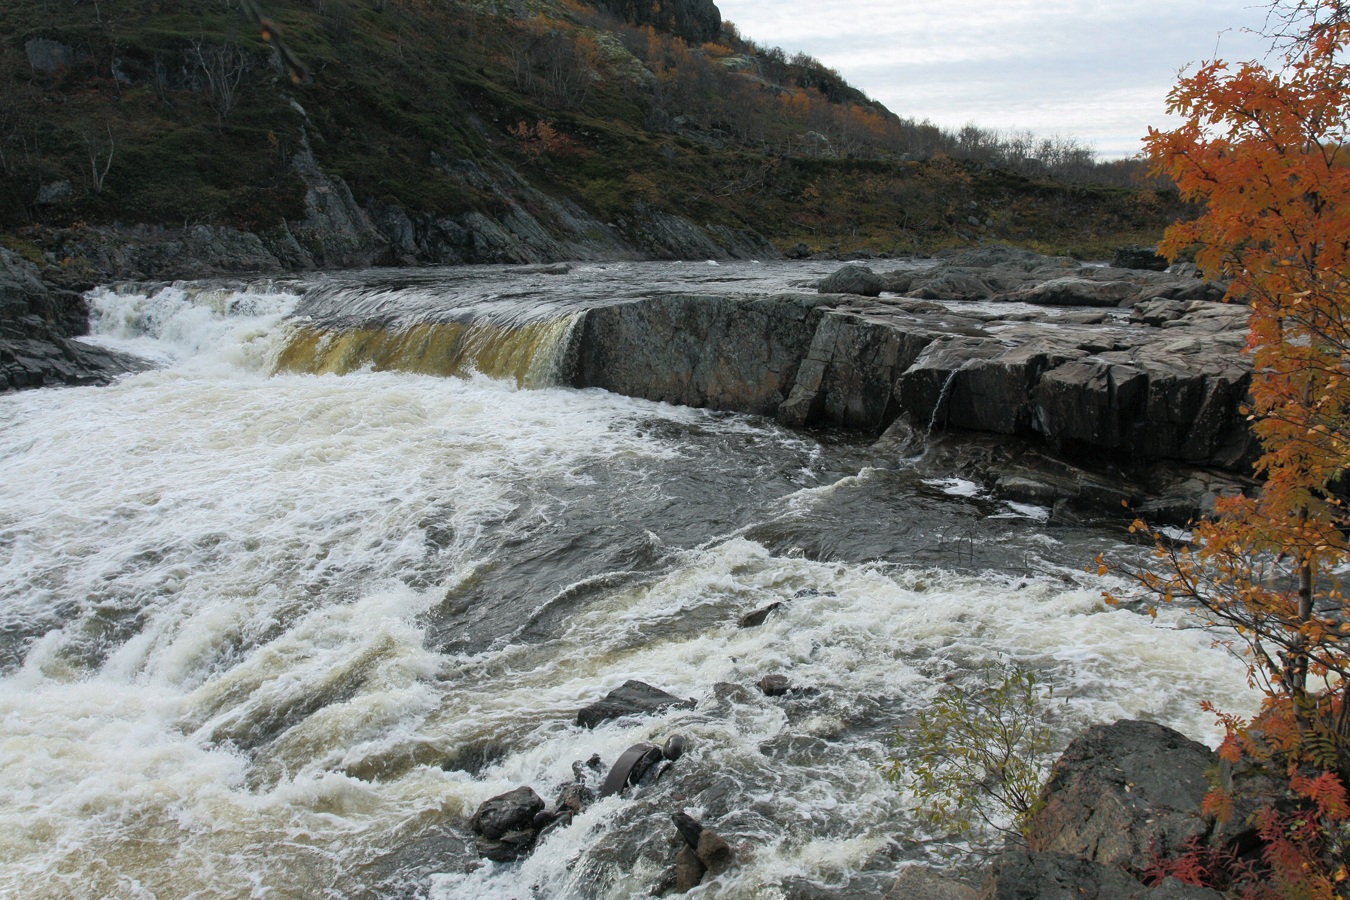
{"x":979,"y":756}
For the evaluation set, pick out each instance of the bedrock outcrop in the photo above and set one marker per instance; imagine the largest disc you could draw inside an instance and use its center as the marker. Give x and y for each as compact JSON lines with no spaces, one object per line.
{"x":1088,"y":384}
{"x":1157,"y":378}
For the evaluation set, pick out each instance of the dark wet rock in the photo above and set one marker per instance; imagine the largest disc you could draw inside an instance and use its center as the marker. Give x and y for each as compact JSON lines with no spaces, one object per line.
{"x":853,"y":279}
{"x":775,"y":685}
{"x":688,"y":827}
{"x":506,"y":813}
{"x":1021,"y":874}
{"x":588,"y":773}
{"x":38,"y":324}
{"x":674,"y":747}
{"x":1092,"y":388}
{"x":714,"y":852}
{"x":561,"y":819}
{"x":634,"y":698}
{"x":510,"y":847}
{"x":758,"y":617}
{"x":1139,"y":258}
{"x":1122,"y":793}
{"x":630,"y":767}
{"x":689,"y":870}
{"x":576,"y":797}
{"x":733,"y":353}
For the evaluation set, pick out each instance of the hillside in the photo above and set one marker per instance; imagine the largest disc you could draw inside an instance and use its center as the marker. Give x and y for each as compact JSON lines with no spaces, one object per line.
{"x":344,"y":132}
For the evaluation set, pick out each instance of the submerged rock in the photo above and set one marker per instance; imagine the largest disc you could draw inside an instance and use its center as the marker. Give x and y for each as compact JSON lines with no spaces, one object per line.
{"x":759,"y":616}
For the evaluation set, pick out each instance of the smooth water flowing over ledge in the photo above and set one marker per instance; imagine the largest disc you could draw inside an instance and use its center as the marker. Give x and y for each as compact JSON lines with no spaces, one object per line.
{"x":280,"y":634}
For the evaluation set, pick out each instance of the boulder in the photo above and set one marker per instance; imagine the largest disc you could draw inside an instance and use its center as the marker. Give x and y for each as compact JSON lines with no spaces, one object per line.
{"x":852,"y":279}
{"x":1146,"y":258}
{"x":674,"y":747}
{"x":634,"y":698}
{"x":759,"y":616}
{"x":576,"y":797}
{"x":689,"y":870}
{"x":1158,"y":311}
{"x":714,"y":852}
{"x":775,"y":685}
{"x":48,"y":56}
{"x":1077,"y":291}
{"x":1122,"y":794}
{"x":510,"y":847}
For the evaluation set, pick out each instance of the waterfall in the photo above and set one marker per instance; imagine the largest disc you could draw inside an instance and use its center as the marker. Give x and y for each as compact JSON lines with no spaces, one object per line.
{"x":529,"y":353}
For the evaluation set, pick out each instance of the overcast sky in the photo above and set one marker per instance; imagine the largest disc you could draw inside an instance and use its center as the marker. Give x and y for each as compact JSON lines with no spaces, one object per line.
{"x":1098,"y":70}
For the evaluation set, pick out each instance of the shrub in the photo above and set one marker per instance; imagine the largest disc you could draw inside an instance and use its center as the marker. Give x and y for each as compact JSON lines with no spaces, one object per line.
{"x":979,"y":756}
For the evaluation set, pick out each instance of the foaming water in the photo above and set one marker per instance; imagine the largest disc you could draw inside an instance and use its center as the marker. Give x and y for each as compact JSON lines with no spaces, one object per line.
{"x":279,"y":635}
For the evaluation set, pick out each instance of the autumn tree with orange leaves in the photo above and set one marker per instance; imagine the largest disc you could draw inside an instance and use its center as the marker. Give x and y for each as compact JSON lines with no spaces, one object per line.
{"x":1265,"y":151}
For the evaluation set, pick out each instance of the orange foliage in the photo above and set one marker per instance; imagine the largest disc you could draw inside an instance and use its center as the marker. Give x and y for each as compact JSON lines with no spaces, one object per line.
{"x":1264,"y":151}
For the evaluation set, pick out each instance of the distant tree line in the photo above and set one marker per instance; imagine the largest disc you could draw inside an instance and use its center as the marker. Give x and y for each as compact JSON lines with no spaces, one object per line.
{"x":732,"y":91}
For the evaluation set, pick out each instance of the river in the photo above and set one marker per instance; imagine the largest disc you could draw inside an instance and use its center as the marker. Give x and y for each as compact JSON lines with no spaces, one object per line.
{"x":281,"y":612}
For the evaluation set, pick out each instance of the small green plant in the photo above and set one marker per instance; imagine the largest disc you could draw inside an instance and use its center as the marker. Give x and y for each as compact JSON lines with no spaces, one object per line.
{"x":979,"y":756}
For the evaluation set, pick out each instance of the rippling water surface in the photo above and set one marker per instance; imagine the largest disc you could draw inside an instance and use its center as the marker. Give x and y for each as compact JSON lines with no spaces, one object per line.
{"x":277,"y":634}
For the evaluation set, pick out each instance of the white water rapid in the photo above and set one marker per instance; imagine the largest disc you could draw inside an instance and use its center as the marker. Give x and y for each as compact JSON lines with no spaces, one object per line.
{"x":278,"y":635}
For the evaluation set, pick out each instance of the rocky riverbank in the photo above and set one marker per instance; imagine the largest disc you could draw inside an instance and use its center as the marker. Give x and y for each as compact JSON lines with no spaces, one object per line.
{"x":37,"y":325}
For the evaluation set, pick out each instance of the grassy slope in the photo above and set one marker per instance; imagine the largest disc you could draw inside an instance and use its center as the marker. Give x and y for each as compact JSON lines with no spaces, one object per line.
{"x":402,"y":89}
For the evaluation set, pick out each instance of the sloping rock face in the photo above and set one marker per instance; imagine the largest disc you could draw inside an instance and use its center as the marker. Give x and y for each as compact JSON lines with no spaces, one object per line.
{"x":36,"y":324}
{"x":526,"y":226}
{"x":1120,"y":797}
{"x":1122,"y":793}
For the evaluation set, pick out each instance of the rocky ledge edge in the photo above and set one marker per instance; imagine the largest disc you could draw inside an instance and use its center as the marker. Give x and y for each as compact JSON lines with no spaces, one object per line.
{"x":1078,"y":388}
{"x":1081,"y":388}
